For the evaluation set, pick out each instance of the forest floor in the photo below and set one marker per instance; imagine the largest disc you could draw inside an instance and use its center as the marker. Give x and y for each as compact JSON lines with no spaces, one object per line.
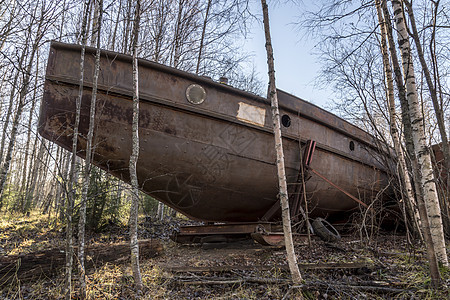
{"x":385,"y":268}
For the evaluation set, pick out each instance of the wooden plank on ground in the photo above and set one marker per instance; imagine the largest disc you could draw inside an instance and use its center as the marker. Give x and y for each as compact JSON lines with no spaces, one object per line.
{"x":309,"y":266}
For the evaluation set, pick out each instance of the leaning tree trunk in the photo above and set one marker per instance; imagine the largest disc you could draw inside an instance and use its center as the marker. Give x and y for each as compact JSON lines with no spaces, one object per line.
{"x":134,"y":246}
{"x":202,"y":39}
{"x":284,"y":198}
{"x":420,"y":144}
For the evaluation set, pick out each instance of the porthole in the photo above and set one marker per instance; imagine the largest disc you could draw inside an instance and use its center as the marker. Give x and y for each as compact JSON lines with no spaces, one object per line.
{"x":195,"y":94}
{"x":286,"y":120}
{"x":351,"y":146}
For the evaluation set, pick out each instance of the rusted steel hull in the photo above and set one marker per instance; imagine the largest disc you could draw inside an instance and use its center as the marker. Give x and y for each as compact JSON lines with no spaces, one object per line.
{"x":213,"y":161}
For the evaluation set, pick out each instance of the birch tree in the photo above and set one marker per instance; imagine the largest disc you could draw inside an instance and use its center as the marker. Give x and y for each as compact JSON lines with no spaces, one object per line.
{"x":73,"y":165}
{"x":419,"y":139}
{"x":431,"y":86}
{"x":4,"y":171}
{"x":134,"y":244}
{"x":407,"y":132}
{"x":283,"y":192}
{"x":390,"y":97}
{"x":89,"y":147}
{"x":403,"y":170}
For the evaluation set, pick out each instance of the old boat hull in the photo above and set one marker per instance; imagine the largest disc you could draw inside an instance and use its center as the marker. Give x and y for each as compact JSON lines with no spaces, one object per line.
{"x":213,"y":161}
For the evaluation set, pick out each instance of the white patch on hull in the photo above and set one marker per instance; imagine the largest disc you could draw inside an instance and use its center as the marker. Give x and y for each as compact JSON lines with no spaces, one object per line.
{"x":251,"y":114}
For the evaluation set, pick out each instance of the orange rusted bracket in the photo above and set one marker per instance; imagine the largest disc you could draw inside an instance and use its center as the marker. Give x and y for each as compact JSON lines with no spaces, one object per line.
{"x":303,"y":176}
{"x":342,"y":190}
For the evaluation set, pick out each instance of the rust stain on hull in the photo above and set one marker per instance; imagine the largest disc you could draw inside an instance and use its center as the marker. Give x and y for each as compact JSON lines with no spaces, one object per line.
{"x":202,"y":159}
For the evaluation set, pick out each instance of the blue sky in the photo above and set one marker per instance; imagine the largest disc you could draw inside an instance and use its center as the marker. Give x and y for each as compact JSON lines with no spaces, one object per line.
{"x":296,"y":68}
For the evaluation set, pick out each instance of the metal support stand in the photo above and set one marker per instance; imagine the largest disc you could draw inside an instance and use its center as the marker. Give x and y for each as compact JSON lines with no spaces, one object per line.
{"x":294,"y":199}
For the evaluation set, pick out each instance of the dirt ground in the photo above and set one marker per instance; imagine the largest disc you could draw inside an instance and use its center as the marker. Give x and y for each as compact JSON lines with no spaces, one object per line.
{"x":354,"y":268}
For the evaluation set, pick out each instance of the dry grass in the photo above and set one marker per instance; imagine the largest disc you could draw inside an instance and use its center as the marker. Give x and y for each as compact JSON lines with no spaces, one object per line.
{"x":395,"y":264}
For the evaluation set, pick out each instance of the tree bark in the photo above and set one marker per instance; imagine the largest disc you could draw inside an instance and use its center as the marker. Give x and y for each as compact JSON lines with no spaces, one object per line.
{"x":434,"y":270}
{"x":96,"y":23}
{"x":284,"y":198}
{"x":407,"y":131}
{"x":116,"y":25}
{"x":63,"y":188}
{"x":127,"y":20}
{"x":404,"y":174}
{"x":134,"y":246}
{"x":34,"y":176}
{"x":22,"y":95}
{"x":431,"y":87}
{"x":11,"y":101}
{"x":406,"y":120}
{"x":25,"y":207}
{"x":205,"y":23}
{"x":434,"y":98}
{"x":418,"y":133}
{"x":62,"y":20}
{"x":53,"y":182}
{"x":73,"y":173}
{"x":174,"y":59}
{"x":87,"y":169}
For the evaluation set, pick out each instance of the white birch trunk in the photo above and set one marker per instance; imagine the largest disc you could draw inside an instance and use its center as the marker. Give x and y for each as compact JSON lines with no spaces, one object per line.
{"x":134,"y":244}
{"x":420,"y":144}
{"x":89,"y":149}
{"x":284,"y":198}
{"x":73,"y":174}
{"x":386,"y":27}
{"x":431,"y":87}
{"x":160,"y":211}
{"x":404,"y":174}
